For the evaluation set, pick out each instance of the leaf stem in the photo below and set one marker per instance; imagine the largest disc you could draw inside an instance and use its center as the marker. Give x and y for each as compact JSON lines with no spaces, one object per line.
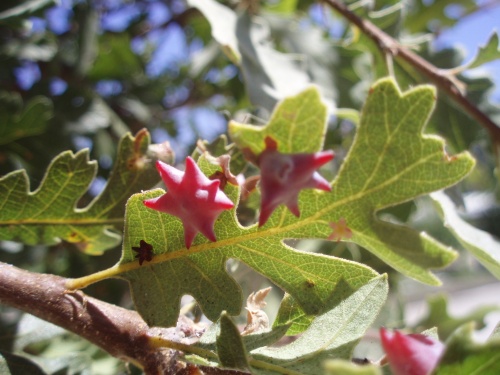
{"x":85,"y":281}
{"x":448,"y":84}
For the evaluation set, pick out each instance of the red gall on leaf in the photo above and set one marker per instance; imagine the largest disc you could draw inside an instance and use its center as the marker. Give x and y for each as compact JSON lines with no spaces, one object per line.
{"x":192,"y":197}
{"x":413,"y":354}
{"x":283,"y":176}
{"x":340,"y":231}
{"x":145,"y":252}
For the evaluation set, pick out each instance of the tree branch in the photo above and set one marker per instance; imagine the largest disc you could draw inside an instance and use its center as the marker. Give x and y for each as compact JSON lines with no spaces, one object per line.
{"x":120,"y":332}
{"x":445,"y":83}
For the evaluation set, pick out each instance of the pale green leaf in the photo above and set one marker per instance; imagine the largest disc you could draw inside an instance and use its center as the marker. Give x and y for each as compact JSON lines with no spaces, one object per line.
{"x":390,"y":162}
{"x":291,"y":314}
{"x":332,"y":335}
{"x":230,"y":348}
{"x":439,"y":317}
{"x":463,"y":356}
{"x":157,"y":286}
{"x":267,"y":72}
{"x":298,"y":124}
{"x":223,"y":23}
{"x":336,"y":367}
{"x":245,"y":40}
{"x":484,"y":247}
{"x":17,"y":122}
{"x":50,"y":213}
{"x":487,"y":53}
{"x":421,"y":14}
{"x":496,"y":332}
{"x":24,"y":9}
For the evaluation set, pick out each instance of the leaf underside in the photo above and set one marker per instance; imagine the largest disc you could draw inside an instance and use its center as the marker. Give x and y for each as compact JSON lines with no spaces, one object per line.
{"x":389,"y":162}
{"x":50,"y":213}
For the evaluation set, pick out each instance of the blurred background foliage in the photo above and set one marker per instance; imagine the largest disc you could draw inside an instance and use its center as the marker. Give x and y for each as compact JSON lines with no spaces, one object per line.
{"x":81,"y":73}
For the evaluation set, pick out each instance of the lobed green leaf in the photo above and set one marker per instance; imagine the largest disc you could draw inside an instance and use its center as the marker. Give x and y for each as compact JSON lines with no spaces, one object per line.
{"x":483,"y":246}
{"x":51,"y":213}
{"x":487,"y":53}
{"x":333,"y":334}
{"x":390,"y":162}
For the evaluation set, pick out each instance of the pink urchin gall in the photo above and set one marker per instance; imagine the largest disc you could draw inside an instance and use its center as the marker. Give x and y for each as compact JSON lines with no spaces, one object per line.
{"x":283,"y":176}
{"x":413,"y":354}
{"x":192,"y":197}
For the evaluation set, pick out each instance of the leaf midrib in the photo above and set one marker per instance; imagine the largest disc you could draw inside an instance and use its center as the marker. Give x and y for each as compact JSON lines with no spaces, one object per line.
{"x":274,"y":231}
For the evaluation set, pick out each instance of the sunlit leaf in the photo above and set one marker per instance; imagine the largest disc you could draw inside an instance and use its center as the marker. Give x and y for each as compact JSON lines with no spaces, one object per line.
{"x":487,"y":53}
{"x":484,"y":247}
{"x":200,"y":271}
{"x":333,"y":334}
{"x":266,"y":70}
{"x":223,"y":22}
{"x":380,"y":171}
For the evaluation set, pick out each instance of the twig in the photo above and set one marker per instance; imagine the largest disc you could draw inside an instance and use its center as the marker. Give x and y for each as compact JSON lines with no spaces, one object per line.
{"x":449,"y":85}
{"x":121,"y":332}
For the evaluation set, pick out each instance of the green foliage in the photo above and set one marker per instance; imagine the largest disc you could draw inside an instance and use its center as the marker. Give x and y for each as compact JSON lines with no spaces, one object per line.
{"x":330,"y":82}
{"x":51,"y":212}
{"x":51,"y":349}
{"x":357,"y":194}
{"x":333,"y":334}
{"x":223,"y":23}
{"x":24,"y":9}
{"x":464,"y":356}
{"x":230,"y":348}
{"x":364,"y":186}
{"x":298,"y":124}
{"x":481,"y":244}
{"x":439,"y":317}
{"x":113,"y":52}
{"x":489,"y":52}
{"x":23,"y":122}
{"x":422,"y":13}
